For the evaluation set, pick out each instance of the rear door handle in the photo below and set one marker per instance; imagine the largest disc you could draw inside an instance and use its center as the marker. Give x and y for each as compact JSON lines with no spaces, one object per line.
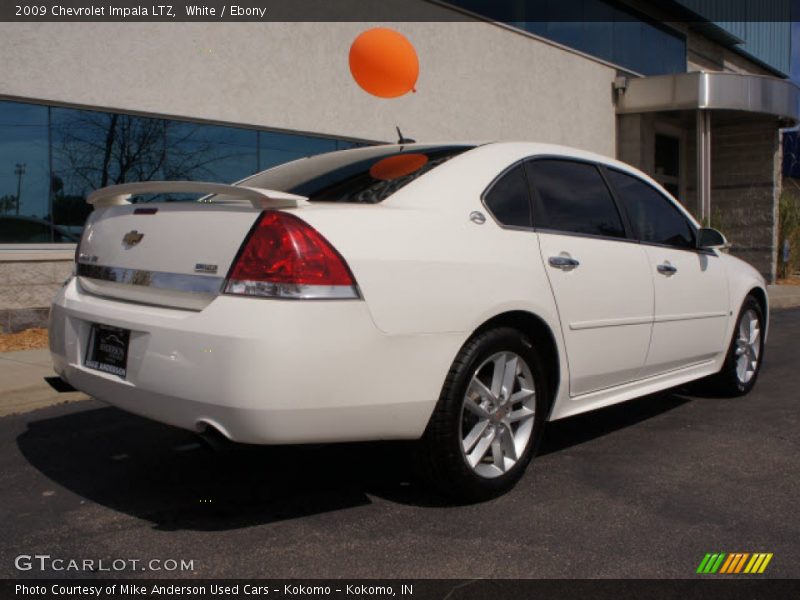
{"x":666,"y":269}
{"x":563,"y":262}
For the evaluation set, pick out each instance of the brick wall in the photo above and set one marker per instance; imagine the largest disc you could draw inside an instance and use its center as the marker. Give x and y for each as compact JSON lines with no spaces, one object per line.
{"x":745,"y":187}
{"x":26,"y":290}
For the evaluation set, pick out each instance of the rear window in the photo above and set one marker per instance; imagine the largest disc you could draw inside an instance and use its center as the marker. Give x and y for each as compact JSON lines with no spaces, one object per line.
{"x":361,"y":176}
{"x":509,"y":199}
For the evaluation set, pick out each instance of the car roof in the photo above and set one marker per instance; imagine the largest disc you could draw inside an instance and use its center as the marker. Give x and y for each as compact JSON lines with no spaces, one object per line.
{"x":509,"y":152}
{"x":526,"y":148}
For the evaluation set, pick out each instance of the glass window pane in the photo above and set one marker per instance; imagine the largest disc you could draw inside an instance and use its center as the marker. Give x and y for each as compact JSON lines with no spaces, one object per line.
{"x":653,"y":50}
{"x":675,"y":55}
{"x":572,"y":196}
{"x":668,"y":155}
{"x":601,"y":28}
{"x":654,"y":218}
{"x":45,"y":180}
{"x":364,"y":175}
{"x":509,"y":199}
{"x":628,"y":44}
{"x":93,"y":149}
{"x":278,"y":148}
{"x":24,"y":174}
{"x":209,"y":152}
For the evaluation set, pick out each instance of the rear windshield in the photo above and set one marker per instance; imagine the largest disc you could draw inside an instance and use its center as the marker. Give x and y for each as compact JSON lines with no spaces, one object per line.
{"x":363,"y":175}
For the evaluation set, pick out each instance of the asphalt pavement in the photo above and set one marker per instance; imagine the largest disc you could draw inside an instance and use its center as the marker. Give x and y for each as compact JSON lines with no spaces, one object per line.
{"x":644,"y":490}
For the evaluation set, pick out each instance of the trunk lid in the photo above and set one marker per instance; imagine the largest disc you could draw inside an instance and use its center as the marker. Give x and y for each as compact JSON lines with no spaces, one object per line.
{"x":173,"y":254}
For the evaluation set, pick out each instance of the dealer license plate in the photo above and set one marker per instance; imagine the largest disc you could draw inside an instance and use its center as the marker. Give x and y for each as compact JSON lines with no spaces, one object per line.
{"x":108,"y":349}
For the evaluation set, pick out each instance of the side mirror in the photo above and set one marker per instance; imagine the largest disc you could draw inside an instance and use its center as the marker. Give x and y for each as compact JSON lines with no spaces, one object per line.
{"x":710,"y":238}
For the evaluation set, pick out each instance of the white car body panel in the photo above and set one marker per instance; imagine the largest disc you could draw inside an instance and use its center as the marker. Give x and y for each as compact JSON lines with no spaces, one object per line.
{"x":692,"y":309}
{"x":294,"y":371}
{"x":605,"y":307}
{"x":249,"y":377}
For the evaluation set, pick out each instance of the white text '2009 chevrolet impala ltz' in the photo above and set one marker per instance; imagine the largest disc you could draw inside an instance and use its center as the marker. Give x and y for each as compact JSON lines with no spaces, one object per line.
{"x":457,"y":294}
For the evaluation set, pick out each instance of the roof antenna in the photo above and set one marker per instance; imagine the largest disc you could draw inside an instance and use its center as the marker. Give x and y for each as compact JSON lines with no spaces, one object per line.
{"x":401,"y":139}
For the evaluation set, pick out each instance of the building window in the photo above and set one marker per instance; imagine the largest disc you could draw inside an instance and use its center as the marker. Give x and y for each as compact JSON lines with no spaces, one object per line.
{"x":51,"y":158}
{"x":601,"y":28}
{"x":668,"y":162}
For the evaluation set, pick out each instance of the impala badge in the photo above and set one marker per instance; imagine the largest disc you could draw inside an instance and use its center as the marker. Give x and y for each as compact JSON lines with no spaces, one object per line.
{"x":132,"y":238}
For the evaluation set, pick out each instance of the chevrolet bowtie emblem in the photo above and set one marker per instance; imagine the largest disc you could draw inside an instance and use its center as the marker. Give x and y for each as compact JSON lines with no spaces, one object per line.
{"x":132,"y":238}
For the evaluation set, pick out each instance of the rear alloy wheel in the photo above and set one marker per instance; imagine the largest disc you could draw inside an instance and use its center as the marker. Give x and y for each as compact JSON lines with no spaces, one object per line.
{"x":745,"y":353}
{"x":489,"y":418}
{"x":497,"y":414}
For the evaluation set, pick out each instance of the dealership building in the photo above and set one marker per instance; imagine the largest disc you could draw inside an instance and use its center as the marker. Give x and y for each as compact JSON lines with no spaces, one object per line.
{"x":695,"y":100}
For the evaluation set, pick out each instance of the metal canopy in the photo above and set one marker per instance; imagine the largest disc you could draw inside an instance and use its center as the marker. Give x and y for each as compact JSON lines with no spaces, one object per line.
{"x":702,"y":90}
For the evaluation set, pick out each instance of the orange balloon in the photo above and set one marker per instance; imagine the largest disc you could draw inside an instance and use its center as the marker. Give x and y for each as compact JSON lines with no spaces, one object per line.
{"x":384,"y":63}
{"x":399,"y":165}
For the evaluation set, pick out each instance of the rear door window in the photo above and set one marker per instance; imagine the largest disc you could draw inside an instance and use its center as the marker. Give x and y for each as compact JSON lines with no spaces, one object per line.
{"x":509,"y":199}
{"x":572,"y":196}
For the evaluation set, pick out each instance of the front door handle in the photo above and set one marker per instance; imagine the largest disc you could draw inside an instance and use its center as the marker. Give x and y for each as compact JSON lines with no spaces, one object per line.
{"x":666,"y":269}
{"x":563,"y":262}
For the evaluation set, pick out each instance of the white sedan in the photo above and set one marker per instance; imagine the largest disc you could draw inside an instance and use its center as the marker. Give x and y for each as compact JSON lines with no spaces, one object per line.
{"x":457,"y":294}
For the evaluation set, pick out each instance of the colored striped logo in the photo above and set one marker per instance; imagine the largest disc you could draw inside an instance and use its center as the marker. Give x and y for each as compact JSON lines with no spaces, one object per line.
{"x":736,"y":562}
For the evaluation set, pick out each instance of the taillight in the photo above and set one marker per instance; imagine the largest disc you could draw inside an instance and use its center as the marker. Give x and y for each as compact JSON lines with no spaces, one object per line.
{"x":79,"y":244}
{"x":284,"y":257}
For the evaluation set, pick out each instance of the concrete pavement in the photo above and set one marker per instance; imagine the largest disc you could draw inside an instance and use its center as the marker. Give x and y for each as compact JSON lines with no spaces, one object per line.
{"x":22,"y":385}
{"x":783,"y":296}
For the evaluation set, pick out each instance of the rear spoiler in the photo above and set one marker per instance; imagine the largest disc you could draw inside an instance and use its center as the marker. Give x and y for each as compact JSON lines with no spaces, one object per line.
{"x":116,"y":195}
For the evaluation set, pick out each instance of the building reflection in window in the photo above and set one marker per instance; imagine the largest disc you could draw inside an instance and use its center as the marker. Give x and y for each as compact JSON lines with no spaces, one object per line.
{"x":52,"y":157}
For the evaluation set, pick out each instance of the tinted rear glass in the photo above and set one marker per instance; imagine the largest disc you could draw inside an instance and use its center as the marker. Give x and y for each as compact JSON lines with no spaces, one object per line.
{"x":364,"y":175}
{"x":509,"y":199}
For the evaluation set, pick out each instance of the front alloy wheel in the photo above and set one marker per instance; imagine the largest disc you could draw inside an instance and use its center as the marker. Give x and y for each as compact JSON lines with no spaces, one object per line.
{"x":745,"y":353}
{"x":748,"y":346}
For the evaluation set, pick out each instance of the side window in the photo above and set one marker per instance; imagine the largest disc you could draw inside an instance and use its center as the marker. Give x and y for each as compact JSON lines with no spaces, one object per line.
{"x":509,"y":199}
{"x":654,"y":218}
{"x":572,"y":196}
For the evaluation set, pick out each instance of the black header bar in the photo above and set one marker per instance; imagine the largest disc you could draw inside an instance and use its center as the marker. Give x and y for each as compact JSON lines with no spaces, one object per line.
{"x":382,"y":10}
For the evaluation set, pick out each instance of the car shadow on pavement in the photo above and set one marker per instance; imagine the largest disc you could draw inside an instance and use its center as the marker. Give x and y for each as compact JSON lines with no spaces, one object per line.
{"x":571,"y":431}
{"x":172,"y":479}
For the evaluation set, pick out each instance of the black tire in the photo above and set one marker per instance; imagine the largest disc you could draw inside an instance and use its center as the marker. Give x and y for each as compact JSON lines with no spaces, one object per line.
{"x":443,"y":461}
{"x":727,"y":382}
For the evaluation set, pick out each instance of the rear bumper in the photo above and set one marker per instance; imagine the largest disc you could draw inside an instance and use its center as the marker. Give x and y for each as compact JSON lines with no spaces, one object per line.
{"x":261,"y":371}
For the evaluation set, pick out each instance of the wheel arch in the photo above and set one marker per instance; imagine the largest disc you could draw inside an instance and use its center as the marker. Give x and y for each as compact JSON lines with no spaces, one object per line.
{"x":541,"y":333}
{"x":761,"y":297}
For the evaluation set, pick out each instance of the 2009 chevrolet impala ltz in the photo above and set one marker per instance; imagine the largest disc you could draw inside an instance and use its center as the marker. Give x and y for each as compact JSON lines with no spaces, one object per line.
{"x":457,"y":294}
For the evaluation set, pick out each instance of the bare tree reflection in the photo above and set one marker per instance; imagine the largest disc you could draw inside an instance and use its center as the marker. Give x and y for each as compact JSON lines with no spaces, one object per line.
{"x":99,"y":149}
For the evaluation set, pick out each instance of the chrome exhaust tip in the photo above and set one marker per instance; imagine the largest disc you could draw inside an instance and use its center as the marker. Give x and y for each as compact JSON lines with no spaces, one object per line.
{"x":212,"y":437}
